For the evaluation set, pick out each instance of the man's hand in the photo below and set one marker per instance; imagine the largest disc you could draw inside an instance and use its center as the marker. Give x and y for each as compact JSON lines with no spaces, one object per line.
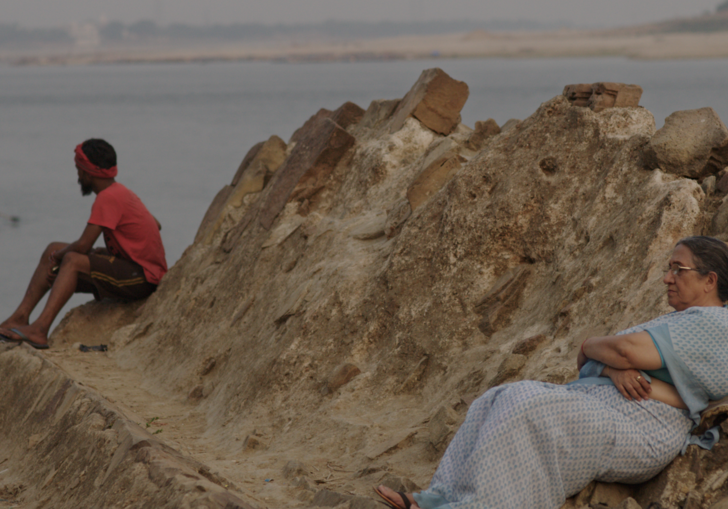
{"x":629,"y":383}
{"x":52,"y":274}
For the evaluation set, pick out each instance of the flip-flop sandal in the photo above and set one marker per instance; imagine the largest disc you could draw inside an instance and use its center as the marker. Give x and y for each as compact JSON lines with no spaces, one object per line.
{"x":26,"y":339}
{"x":406,"y":504}
{"x":5,"y":339}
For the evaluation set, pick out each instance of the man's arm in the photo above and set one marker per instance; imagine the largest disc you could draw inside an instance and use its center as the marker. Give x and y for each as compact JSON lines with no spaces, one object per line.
{"x":82,"y":245}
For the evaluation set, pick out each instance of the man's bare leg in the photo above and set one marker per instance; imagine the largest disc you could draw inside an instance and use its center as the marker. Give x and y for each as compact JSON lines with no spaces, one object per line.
{"x":37,"y":288}
{"x":63,"y":288}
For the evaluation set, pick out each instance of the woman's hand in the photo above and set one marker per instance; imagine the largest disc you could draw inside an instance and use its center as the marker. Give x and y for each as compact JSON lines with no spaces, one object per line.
{"x":629,"y":383}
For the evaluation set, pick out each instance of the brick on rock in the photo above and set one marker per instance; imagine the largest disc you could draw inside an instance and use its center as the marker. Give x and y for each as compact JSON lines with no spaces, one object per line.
{"x":603,"y":95}
{"x":435,"y":100}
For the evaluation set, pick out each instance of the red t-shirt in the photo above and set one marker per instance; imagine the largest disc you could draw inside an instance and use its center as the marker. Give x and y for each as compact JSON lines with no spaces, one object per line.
{"x":130,"y":230}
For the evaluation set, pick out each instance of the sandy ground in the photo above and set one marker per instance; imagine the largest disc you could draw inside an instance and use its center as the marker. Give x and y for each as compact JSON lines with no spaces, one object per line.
{"x":256,"y":477}
{"x":479,"y":44}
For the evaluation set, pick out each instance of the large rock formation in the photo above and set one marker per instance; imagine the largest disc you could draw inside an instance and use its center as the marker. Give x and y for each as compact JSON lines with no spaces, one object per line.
{"x":349,"y":311}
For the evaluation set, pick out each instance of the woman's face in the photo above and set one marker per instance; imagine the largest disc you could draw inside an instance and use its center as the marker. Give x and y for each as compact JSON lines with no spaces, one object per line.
{"x":688,"y":287}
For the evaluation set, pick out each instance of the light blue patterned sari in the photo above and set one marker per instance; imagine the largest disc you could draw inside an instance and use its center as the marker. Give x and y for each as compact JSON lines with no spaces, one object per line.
{"x":532,"y":444}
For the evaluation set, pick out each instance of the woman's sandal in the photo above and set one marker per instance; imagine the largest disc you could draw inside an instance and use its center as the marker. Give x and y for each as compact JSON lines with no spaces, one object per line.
{"x":406,"y":504}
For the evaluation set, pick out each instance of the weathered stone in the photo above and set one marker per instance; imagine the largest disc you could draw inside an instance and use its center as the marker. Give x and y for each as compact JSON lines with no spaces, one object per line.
{"x":328,"y":498}
{"x":246,"y":161}
{"x":401,"y":211}
{"x":213,"y":211}
{"x":294,"y":469}
{"x":340,"y":376}
{"x":483,"y":132}
{"x":629,"y":503}
{"x":378,"y":112}
{"x":318,"y":150}
{"x":693,"y":501}
{"x":415,"y":376}
{"x":708,"y":185}
{"x":253,"y":443}
{"x":693,"y":144}
{"x":509,"y":368}
{"x":719,"y":223}
{"x":347,"y":114}
{"x":441,"y":427}
{"x":528,"y":345}
{"x":502,"y":299}
{"x":722,"y":181}
{"x":435,"y":100}
{"x":397,"y":483}
{"x":510,"y":124}
{"x":255,"y":171}
{"x":603,"y":95}
{"x":578,"y":94}
{"x":305,"y":129}
{"x":611,"y":494}
{"x":618,"y":95}
{"x":438,"y":167}
{"x":721,"y":504}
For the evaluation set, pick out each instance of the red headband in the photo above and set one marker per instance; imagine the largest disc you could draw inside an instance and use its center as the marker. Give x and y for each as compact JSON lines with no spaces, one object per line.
{"x":83,"y":163}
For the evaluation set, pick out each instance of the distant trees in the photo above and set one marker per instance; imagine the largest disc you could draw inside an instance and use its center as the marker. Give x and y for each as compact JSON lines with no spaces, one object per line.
{"x":722,"y":7}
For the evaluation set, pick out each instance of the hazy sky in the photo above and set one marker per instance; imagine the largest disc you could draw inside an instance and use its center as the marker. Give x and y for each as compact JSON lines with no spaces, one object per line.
{"x":583,"y":12}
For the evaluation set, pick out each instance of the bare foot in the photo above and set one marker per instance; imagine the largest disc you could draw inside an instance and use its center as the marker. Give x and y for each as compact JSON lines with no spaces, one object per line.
{"x":395,"y":498}
{"x":31,"y":335}
{"x":12,"y":323}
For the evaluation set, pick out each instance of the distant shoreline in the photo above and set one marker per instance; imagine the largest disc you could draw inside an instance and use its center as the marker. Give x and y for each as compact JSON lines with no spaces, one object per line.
{"x":477,"y":44}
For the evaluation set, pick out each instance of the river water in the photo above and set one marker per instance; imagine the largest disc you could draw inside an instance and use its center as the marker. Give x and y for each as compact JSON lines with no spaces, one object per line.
{"x":180,"y":130}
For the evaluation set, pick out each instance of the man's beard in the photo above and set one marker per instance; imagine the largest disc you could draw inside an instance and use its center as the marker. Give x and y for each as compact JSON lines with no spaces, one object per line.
{"x":86,"y":189}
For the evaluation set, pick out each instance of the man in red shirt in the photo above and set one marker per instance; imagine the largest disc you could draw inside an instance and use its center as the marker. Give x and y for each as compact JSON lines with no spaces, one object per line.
{"x":130,"y":267}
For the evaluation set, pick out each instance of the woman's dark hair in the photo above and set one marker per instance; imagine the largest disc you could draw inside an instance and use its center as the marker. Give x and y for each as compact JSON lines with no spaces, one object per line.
{"x":99,"y":152}
{"x":710,"y":255}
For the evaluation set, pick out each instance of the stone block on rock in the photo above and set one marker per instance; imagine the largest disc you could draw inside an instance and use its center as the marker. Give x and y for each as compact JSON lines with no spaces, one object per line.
{"x":435,"y":100}
{"x":578,"y":94}
{"x":319,"y":149}
{"x":603,"y":95}
{"x":692,"y":143}
{"x":251,"y":178}
{"x":614,"y":95}
{"x":302,"y":131}
{"x":347,"y":114}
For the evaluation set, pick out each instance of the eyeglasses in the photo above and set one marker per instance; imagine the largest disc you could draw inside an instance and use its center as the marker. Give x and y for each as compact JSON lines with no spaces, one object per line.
{"x":675,"y":270}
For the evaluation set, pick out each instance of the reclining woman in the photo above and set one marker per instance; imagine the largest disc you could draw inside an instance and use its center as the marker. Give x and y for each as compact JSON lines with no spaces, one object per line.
{"x":532,"y":444}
